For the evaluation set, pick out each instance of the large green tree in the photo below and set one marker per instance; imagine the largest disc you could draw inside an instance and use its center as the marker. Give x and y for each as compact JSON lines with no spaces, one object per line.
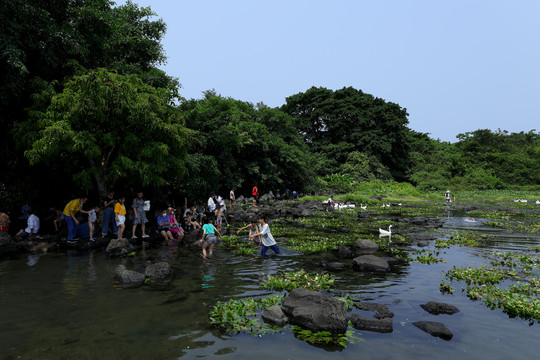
{"x":104,"y":127}
{"x":336,"y":123}
{"x":242,"y":145}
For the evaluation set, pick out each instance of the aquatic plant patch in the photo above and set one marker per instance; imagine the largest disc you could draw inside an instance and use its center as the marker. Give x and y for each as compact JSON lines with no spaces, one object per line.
{"x":236,"y":316}
{"x":460,"y":239}
{"x":325,"y":337}
{"x":298,"y":279}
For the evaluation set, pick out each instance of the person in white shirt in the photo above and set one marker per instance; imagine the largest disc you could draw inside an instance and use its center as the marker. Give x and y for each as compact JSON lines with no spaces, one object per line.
{"x":232,"y":197}
{"x":32,"y":226}
{"x":267,"y":239}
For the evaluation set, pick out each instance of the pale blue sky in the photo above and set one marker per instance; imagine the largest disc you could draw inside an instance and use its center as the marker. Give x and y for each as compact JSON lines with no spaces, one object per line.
{"x":456,"y":66}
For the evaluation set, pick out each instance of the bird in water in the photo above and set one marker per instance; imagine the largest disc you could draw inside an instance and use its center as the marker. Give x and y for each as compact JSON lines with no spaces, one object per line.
{"x":386,"y":232}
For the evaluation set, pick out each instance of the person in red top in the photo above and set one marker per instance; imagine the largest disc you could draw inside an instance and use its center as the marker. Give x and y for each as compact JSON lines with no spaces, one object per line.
{"x":255,"y":193}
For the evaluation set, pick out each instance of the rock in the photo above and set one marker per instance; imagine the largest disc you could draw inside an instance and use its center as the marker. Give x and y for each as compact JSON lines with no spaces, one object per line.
{"x":421,"y":244}
{"x":336,"y":266}
{"x":436,"y":308}
{"x":364,"y":323}
{"x":314,"y":311}
{"x":363,"y":245}
{"x":8,"y":247}
{"x":434,"y":329}
{"x":381,"y":311}
{"x":370,"y":263}
{"x":129,"y":278}
{"x":344,"y":252}
{"x":118,"y":247}
{"x":274,"y":315}
{"x":159,"y":271}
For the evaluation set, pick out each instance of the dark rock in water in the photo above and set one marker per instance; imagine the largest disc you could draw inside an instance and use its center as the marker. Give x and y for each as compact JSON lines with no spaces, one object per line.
{"x":363,"y":245}
{"x":381,"y":311}
{"x":344,"y":252}
{"x":159,"y":271}
{"x":421,"y":244}
{"x":434,"y":329}
{"x":364,"y":323}
{"x":129,"y":278}
{"x":469,"y":208}
{"x":274,"y":315}
{"x":336,"y":266}
{"x":362,"y":215}
{"x":315,"y":311}
{"x":370,"y":263}
{"x":436,"y":308}
{"x":8,"y":247}
{"x":426,"y":237}
{"x":119,"y":247}
{"x":377,"y":197}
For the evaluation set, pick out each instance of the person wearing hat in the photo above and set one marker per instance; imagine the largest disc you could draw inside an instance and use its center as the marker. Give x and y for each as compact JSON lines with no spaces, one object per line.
{"x":447,"y":196}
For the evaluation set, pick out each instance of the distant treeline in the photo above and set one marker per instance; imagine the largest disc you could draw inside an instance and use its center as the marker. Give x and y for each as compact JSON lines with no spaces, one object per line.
{"x":85,"y":108}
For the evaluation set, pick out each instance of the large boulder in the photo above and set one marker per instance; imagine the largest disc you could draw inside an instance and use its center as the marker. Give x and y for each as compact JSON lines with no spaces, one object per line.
{"x":363,"y":246}
{"x":160,"y":271}
{"x":361,"y":322}
{"x":370,"y":263}
{"x":434,"y":329}
{"x":274,"y":315}
{"x":119,"y":247}
{"x":315,"y":311}
{"x":128,"y":278}
{"x":436,"y":308}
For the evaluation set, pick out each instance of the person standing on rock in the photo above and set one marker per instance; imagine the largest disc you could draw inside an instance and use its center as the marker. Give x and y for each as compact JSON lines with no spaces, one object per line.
{"x":232,"y":197}
{"x":139,"y":216}
{"x":267,"y":239}
{"x":71,"y":209}
{"x":120,"y":216}
{"x":108,"y":203}
{"x":255,"y":194}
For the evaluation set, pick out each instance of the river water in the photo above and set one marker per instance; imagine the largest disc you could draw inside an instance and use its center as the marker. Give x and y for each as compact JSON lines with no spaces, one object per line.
{"x":67,"y":306}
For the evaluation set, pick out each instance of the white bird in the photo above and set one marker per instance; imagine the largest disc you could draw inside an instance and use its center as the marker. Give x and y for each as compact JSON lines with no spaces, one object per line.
{"x":523,"y":200}
{"x":537,"y":202}
{"x":384,"y":232}
{"x":365,"y":207}
{"x":517,"y":200}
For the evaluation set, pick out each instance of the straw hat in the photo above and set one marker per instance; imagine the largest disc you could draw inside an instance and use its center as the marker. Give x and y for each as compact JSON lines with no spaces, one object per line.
{"x":447,"y":191}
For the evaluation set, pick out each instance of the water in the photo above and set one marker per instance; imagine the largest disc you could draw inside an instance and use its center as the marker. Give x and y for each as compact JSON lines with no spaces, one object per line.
{"x":67,"y":306}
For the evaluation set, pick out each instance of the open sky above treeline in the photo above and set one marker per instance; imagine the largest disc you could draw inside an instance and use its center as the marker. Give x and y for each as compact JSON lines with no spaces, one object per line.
{"x":456,"y":66}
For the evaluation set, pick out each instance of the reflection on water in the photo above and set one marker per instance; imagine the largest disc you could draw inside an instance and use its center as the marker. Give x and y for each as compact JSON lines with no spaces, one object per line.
{"x":67,"y":306}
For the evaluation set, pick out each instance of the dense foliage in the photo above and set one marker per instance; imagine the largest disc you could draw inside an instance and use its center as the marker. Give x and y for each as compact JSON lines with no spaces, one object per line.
{"x":80,"y":80}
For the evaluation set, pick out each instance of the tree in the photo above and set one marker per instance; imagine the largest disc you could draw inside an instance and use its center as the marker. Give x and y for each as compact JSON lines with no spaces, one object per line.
{"x":334,"y":123}
{"x":105,"y":127}
{"x":249,"y":145}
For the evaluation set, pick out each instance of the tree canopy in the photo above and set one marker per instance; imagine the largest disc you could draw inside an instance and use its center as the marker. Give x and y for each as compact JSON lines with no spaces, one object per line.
{"x":108,"y":127}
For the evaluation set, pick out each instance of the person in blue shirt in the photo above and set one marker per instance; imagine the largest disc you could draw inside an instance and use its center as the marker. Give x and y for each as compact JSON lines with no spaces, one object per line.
{"x":164,"y":224}
{"x":208,"y":237}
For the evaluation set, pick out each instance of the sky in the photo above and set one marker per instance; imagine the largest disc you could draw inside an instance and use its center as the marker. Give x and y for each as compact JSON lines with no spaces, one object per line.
{"x":456,"y":66}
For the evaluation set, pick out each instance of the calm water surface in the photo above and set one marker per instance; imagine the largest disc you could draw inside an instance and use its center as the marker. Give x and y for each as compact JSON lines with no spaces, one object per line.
{"x":67,"y":306}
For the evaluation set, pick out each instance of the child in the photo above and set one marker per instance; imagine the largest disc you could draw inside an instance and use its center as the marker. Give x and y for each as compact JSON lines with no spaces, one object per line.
{"x":92,"y":218}
{"x":267,"y":239}
{"x":209,"y":237}
{"x":252,"y":230}
{"x":120,"y":214}
{"x":191,"y":224}
{"x":219,"y":218}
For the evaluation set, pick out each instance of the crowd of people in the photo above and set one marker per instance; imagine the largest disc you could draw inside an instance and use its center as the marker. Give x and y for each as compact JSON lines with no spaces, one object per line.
{"x":111,"y":215}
